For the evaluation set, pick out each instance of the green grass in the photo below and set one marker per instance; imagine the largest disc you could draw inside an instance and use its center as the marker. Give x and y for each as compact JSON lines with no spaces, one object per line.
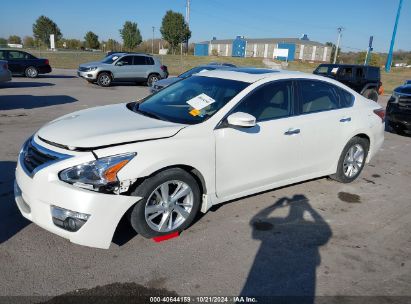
{"x":177,"y":64}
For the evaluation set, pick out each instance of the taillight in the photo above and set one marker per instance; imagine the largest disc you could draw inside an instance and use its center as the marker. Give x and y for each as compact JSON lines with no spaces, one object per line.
{"x":163,"y":68}
{"x":46,"y":62}
{"x":380,"y":113}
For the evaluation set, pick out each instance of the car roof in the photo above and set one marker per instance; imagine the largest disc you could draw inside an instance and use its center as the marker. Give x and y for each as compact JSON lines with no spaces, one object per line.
{"x":347,"y":65}
{"x":251,"y":75}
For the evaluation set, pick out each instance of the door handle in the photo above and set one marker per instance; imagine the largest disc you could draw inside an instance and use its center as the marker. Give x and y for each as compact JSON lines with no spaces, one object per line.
{"x":345,"y":119}
{"x":292,"y":132}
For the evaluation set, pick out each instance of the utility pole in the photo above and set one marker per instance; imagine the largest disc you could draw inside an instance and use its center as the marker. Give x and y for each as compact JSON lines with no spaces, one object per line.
{"x":394,"y":33}
{"x":152,"y":42}
{"x":187,"y":20}
{"x":369,"y":50}
{"x":340,"y":29}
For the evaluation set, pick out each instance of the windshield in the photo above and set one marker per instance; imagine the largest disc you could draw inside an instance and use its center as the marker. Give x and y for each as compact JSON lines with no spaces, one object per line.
{"x":192,"y":100}
{"x":195,"y":71}
{"x":110,"y":59}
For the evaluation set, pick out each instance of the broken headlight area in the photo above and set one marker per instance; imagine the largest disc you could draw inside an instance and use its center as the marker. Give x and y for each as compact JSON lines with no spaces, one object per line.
{"x":98,"y":175}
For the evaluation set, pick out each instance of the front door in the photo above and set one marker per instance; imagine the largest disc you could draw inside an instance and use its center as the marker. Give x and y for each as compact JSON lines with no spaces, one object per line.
{"x":252,"y":159}
{"x":124,"y":68}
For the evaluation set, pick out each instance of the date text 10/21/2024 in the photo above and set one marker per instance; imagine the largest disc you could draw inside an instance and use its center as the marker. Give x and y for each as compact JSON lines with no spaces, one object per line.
{"x":203,"y":299}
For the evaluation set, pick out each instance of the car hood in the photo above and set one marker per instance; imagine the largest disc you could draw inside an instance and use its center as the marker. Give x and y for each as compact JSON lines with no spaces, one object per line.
{"x":92,"y":64}
{"x":405,"y":89}
{"x":104,"y":126}
{"x":166,"y":82}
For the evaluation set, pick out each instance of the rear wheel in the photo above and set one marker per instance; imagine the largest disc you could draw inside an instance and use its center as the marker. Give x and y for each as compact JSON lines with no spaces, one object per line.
{"x":104,"y":79}
{"x":352,"y":160}
{"x":170,"y":202}
{"x":31,"y":72}
{"x":152,"y":79}
{"x":371,"y":94}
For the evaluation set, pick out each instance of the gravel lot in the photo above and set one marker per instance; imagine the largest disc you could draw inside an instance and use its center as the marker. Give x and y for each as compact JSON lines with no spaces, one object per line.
{"x":314,"y":238}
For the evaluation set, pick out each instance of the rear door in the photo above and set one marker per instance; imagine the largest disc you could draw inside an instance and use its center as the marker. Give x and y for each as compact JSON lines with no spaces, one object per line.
{"x":140,"y":65}
{"x":326,"y":120}
{"x":17,"y":61}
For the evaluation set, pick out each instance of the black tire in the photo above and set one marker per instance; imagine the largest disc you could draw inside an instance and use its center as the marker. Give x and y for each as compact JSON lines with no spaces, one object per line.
{"x":147,"y":188}
{"x":104,"y":79}
{"x":340,"y":176}
{"x":152,"y":78}
{"x":31,"y":72}
{"x":371,"y":94}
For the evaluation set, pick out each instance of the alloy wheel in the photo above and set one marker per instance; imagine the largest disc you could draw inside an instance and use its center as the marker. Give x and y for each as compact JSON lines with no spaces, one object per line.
{"x":353,"y":161}
{"x":169,"y":206}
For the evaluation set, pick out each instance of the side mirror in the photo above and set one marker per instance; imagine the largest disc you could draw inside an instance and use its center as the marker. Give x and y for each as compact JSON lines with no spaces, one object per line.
{"x":241,"y":119}
{"x":120,"y":63}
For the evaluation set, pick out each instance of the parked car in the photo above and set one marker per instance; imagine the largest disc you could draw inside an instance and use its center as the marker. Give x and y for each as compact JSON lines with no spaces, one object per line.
{"x":363,"y":79}
{"x":161,"y":84}
{"x":124,"y":67}
{"x":207,"y":139}
{"x":5,"y":74}
{"x":23,"y":63}
{"x":399,"y":109}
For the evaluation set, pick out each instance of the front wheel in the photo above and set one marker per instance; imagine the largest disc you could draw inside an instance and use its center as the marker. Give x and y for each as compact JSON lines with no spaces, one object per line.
{"x":104,"y":79}
{"x":170,"y":202}
{"x":31,"y":72}
{"x":352,"y":160}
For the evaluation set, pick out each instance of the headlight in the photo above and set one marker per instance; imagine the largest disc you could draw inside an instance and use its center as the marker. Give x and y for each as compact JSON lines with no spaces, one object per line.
{"x":96,"y":174}
{"x":395,"y":97}
{"x":92,"y":69}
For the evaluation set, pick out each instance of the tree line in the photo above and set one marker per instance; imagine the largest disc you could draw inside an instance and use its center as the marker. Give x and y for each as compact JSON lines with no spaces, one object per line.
{"x":174,"y":31}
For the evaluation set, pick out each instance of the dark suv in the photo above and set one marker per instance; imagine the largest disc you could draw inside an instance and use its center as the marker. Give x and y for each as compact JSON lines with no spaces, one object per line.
{"x":363,"y":79}
{"x":399,"y":109}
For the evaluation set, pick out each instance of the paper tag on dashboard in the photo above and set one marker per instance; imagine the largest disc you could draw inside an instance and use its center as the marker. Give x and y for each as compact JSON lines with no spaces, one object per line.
{"x":334,"y":70}
{"x":201,"y":101}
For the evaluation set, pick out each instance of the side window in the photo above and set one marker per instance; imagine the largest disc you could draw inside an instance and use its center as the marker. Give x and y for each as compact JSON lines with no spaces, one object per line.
{"x":346,"y":73}
{"x":318,"y":96}
{"x":359,"y":73}
{"x":139,"y":60}
{"x":127,"y":60}
{"x":149,"y":61}
{"x":2,"y":55}
{"x":346,"y":99}
{"x":16,"y":55}
{"x":270,"y":101}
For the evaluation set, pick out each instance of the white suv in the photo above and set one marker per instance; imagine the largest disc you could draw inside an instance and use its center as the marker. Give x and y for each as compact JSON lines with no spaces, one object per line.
{"x":204,"y":140}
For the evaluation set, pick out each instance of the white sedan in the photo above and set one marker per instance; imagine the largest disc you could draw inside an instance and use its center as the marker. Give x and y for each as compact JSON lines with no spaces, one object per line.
{"x":202,"y":141}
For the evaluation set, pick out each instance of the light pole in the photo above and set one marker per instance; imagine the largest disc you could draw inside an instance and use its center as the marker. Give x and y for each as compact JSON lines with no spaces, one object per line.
{"x":394,"y":33}
{"x":340,"y":29}
{"x":152,"y":42}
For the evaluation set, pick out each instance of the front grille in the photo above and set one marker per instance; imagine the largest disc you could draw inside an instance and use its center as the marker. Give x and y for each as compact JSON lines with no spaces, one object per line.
{"x":33,"y":158}
{"x":405,"y":101}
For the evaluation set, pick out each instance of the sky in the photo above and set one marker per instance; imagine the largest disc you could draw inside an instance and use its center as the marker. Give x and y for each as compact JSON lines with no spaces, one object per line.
{"x":223,"y":19}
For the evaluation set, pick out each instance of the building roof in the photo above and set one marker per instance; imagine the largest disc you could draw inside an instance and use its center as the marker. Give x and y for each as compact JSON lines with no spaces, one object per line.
{"x":266,"y":41}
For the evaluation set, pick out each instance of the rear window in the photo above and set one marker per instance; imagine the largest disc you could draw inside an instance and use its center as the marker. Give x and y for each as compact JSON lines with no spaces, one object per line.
{"x":149,"y":61}
{"x":346,"y":99}
{"x":322,"y":70}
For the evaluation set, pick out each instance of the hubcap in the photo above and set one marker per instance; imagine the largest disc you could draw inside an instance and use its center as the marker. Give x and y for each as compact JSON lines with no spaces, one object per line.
{"x":169,"y":206}
{"x":353,"y":161}
{"x":153,"y":80}
{"x":32,"y":72}
{"x":104,"y":79}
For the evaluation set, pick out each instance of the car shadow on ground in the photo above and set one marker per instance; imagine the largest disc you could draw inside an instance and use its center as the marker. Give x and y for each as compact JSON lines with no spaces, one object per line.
{"x":286,"y":262}
{"x":21,"y":84}
{"x":11,"y":221}
{"x":11,"y":102}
